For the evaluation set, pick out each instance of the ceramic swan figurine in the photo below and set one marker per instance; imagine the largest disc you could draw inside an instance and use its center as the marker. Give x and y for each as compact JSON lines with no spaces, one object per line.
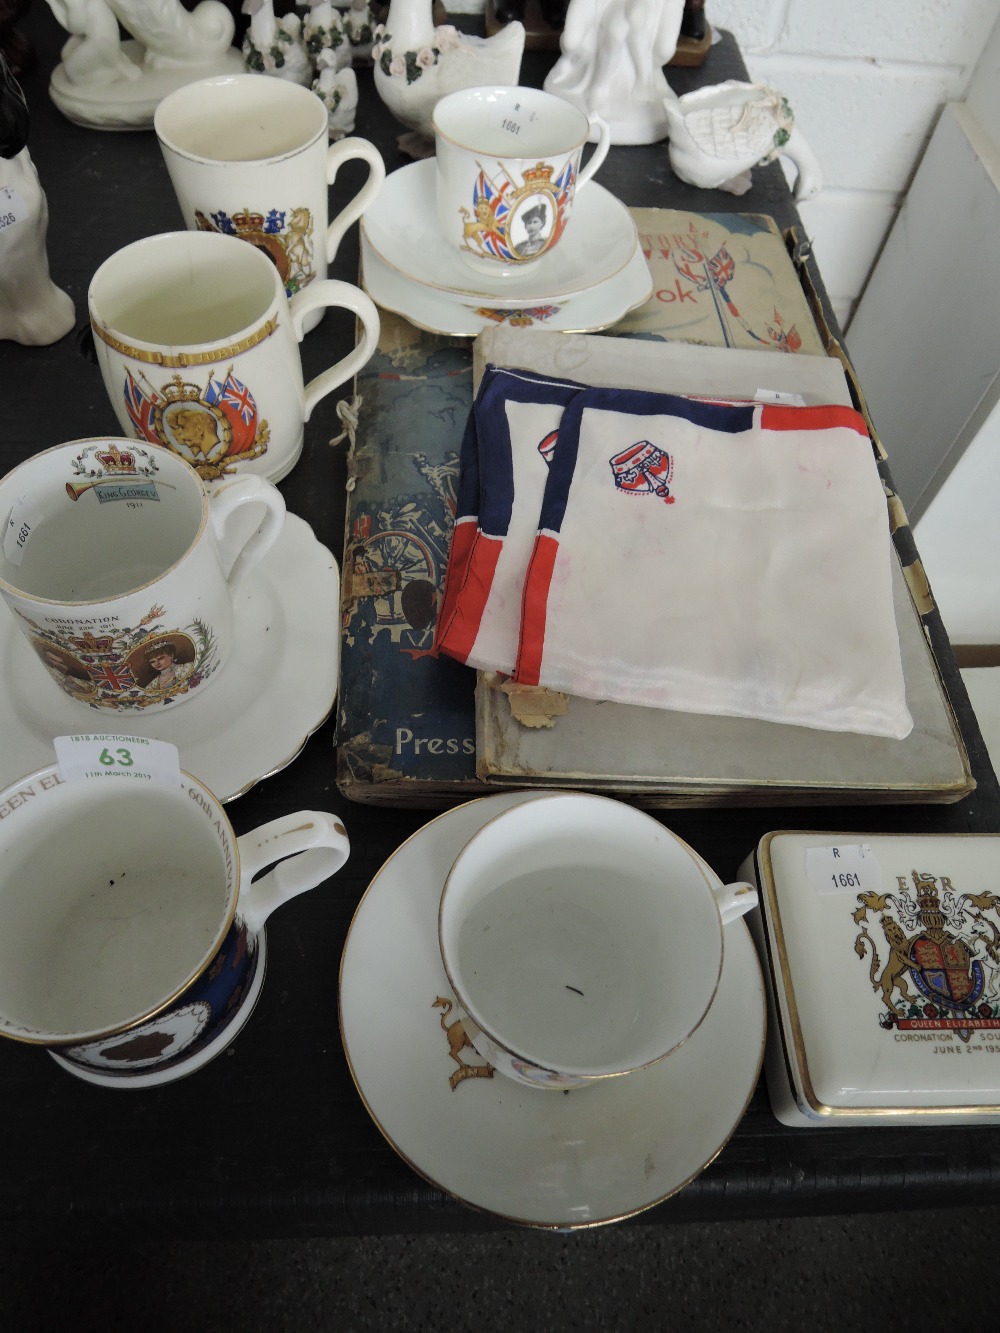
{"x":416,"y":64}
{"x":718,"y":134}
{"x":33,"y":310}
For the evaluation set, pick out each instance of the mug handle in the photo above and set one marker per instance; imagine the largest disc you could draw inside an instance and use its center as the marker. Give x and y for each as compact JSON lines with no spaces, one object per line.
{"x":600,"y":128}
{"x":735,"y":900}
{"x":310,"y":846}
{"x":332,"y":292}
{"x":234,"y":495}
{"x":336,"y":155}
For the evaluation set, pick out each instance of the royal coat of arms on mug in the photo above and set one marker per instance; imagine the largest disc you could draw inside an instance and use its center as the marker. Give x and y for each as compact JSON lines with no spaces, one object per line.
{"x":211,"y":422}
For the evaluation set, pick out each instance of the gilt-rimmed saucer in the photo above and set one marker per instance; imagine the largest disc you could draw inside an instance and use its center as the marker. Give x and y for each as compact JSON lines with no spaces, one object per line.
{"x":277,"y":687}
{"x":542,"y":1158}
{"x":401,"y":228}
{"x":460,"y":316}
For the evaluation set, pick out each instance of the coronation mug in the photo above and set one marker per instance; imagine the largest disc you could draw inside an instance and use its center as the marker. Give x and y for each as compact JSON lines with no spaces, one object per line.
{"x":119,"y":566}
{"x":508,"y":168}
{"x":248,"y":156}
{"x":582,"y":939}
{"x":131,"y":935}
{"x":198,"y":346}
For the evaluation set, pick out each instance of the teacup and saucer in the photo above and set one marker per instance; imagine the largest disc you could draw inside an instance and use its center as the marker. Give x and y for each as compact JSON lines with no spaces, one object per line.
{"x":521,"y":1144}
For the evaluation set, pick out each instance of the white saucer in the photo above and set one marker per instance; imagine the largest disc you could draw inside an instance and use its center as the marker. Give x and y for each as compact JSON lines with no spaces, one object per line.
{"x":543,"y":1158}
{"x":259,"y":710}
{"x":460,"y":316}
{"x":401,"y":228}
{"x":181,"y":1068}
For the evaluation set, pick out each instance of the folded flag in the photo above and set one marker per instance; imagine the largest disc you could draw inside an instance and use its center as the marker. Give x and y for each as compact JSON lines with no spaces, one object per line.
{"x":709,"y":557}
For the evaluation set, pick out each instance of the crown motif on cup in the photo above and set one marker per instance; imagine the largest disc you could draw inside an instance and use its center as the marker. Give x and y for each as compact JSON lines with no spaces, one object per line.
{"x":114,"y":459}
{"x":88,"y":643}
{"x":539,"y":174}
{"x":248,"y":222}
{"x":180,"y":391}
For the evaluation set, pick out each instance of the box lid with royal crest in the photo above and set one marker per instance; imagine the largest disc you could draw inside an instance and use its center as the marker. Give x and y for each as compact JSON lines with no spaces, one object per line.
{"x":883,"y":955}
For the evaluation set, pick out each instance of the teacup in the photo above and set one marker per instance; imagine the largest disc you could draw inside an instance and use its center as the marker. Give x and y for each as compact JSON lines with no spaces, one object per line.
{"x":130,"y":931}
{"x":198,"y":346}
{"x":582,"y":939}
{"x":119,"y":568}
{"x":508,"y":168}
{"x":250,"y":158}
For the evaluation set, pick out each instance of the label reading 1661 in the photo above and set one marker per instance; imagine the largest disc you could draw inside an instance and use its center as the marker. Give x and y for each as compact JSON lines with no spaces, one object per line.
{"x":847,"y":867}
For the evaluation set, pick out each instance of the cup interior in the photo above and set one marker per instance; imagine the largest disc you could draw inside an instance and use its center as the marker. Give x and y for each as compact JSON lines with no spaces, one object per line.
{"x":239,"y":118}
{"x":581,"y":935}
{"x":510,"y":122}
{"x":180,"y":289}
{"x":89,"y":540}
{"x":111,"y":901}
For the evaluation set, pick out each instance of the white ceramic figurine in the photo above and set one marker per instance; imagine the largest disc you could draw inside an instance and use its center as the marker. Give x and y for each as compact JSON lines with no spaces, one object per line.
{"x":416,"y":64}
{"x":613,"y":53}
{"x":718,"y":134}
{"x":33,"y":310}
{"x":106,"y":83}
{"x":276,"y":46}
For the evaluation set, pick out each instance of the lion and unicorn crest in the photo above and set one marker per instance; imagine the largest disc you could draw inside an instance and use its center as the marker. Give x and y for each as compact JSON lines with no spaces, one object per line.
{"x":937,"y":966}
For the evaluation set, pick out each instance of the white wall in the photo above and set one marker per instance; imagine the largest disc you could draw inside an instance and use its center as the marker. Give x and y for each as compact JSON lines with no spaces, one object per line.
{"x":866,"y":79}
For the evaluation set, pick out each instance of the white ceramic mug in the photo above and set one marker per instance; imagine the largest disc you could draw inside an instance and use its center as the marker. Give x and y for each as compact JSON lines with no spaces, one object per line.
{"x":198,"y":346}
{"x":582,"y":939}
{"x":249,"y":157}
{"x":508,"y":168}
{"x":119,"y":568}
{"x":130,"y":931}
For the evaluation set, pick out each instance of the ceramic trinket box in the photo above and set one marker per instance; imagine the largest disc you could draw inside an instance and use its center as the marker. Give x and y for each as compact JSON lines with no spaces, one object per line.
{"x":882,"y":958}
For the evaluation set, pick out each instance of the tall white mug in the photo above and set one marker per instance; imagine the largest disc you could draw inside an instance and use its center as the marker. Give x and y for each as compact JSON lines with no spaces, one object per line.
{"x":248,"y":156}
{"x":198,"y":346}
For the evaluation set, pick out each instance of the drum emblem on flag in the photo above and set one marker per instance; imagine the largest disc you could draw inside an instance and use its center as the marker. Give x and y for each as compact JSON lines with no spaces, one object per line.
{"x":643,"y":469}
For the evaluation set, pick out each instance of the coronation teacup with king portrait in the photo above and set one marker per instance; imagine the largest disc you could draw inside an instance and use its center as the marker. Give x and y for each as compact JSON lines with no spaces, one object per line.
{"x":119,"y":566}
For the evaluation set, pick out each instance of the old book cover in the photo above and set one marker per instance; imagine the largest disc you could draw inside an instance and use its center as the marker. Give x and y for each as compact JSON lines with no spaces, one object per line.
{"x":406,"y":719}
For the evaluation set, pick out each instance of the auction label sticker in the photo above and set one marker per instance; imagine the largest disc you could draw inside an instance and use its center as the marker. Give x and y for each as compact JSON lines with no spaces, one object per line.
{"x":846,"y":867}
{"x":114,"y":758}
{"x":13,"y":209}
{"x":21,"y":523}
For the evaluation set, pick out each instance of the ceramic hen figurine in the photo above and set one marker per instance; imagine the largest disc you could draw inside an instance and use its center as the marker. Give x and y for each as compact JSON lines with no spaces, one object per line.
{"x":33,"y":310}
{"x":416,"y":64}
{"x":718,"y":134}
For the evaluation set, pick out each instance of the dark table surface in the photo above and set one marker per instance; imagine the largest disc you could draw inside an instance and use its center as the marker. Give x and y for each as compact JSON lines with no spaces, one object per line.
{"x":272,"y":1138}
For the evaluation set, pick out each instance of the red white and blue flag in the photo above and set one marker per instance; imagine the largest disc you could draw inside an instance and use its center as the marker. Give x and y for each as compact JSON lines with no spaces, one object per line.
{"x":727,"y":558}
{"x":139,"y":406}
{"x":494,"y":239}
{"x":238,"y":405}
